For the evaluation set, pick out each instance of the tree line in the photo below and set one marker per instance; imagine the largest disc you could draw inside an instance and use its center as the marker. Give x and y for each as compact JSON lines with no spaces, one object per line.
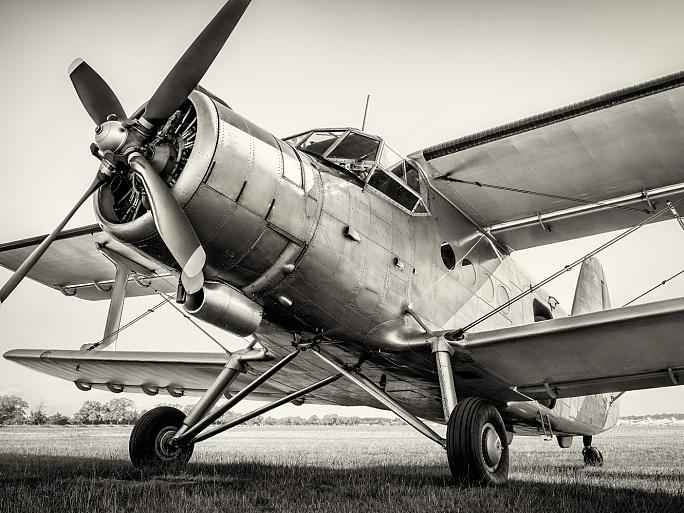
{"x":121,"y":411}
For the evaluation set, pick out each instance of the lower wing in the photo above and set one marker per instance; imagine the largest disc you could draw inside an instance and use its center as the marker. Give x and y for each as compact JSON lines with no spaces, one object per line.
{"x":629,"y":348}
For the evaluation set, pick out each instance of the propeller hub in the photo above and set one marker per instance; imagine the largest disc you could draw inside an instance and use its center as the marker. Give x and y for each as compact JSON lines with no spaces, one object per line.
{"x":110,"y":136}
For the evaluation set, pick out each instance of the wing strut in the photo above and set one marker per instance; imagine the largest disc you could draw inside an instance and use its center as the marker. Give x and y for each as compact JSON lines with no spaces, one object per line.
{"x":381,"y":396}
{"x":116,"y":303}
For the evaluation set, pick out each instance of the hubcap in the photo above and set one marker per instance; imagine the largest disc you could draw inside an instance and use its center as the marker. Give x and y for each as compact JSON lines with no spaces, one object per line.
{"x":491,"y":446}
{"x":163,"y":448}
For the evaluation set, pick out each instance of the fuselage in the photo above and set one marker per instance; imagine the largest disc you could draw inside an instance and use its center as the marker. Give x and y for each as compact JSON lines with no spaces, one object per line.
{"x":324,"y":252}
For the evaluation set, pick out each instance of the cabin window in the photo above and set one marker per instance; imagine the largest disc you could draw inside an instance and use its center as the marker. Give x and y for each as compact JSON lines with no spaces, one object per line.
{"x":503,"y":297}
{"x":488,"y":288}
{"x":541,"y":311}
{"x":469,"y":274}
{"x":448,"y":256}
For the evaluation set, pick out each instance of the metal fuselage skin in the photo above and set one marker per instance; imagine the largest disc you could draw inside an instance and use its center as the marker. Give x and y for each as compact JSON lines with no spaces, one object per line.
{"x":325,"y":253}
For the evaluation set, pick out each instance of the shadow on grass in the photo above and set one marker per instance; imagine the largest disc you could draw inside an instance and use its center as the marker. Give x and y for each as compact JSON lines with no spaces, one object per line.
{"x":40,"y":483}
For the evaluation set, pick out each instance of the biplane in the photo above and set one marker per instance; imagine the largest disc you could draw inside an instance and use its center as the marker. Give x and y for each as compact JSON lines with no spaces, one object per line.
{"x":362,"y":276}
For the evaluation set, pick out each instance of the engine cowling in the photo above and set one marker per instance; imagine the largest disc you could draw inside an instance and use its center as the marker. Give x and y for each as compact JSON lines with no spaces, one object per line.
{"x":251,"y":198}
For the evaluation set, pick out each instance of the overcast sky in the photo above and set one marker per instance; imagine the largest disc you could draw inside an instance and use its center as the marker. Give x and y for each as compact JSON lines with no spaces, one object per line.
{"x":435,"y":69}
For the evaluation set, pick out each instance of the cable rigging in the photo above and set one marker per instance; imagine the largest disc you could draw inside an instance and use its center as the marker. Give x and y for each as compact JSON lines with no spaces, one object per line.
{"x":544,"y":194}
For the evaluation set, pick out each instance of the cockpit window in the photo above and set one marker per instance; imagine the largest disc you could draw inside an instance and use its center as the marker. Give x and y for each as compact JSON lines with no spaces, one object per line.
{"x":412,"y":178}
{"x":296,"y":139}
{"x":319,"y":142}
{"x":393,"y":189}
{"x":389,"y":157}
{"x":355,"y":147}
{"x":369,"y":159}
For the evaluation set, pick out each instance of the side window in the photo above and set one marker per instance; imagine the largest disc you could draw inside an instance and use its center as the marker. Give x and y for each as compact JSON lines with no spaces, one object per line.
{"x":412,"y":178}
{"x":394,"y":190}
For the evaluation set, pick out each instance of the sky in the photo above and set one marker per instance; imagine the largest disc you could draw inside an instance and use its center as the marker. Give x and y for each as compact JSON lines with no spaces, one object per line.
{"x":435,"y":70}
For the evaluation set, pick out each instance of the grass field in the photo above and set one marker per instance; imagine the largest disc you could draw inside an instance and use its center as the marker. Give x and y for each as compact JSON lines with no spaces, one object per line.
{"x":333,"y":469}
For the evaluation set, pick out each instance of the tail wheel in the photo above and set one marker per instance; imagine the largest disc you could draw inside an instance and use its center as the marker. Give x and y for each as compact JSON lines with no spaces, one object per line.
{"x":150,"y":445}
{"x":477,"y":446}
{"x":592,"y":456}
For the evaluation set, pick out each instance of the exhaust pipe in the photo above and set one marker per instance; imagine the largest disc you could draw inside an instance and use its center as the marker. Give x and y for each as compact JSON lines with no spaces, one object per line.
{"x":225,"y":307}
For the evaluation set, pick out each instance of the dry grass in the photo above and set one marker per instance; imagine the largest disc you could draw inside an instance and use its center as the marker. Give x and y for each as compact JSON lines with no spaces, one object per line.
{"x":334,"y":469}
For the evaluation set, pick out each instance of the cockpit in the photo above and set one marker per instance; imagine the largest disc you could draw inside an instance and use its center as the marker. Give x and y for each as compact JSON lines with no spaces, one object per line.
{"x":369,"y":159}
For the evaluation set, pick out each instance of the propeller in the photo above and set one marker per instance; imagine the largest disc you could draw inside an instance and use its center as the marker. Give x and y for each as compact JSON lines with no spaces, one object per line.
{"x":96,"y":96}
{"x":172,"y":224}
{"x":120,"y":144}
{"x":194,"y":63}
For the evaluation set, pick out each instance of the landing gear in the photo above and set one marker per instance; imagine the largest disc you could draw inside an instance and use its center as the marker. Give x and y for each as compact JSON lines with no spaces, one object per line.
{"x":150,"y":445}
{"x":476,"y":443}
{"x":592,"y":456}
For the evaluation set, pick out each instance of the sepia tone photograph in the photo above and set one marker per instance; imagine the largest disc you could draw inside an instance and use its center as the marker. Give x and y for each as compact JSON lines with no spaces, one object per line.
{"x":332,"y":256}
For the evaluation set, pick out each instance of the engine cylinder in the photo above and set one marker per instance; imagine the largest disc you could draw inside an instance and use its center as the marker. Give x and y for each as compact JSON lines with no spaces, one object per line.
{"x":226,"y":308}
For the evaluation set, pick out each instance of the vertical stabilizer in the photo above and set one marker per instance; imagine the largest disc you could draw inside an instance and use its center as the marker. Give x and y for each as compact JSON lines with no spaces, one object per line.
{"x":591,"y":293}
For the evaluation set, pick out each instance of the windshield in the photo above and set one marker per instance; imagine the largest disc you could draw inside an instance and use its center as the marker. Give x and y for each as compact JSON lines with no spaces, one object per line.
{"x":355,"y":147}
{"x":355,"y":151}
{"x":319,"y":142}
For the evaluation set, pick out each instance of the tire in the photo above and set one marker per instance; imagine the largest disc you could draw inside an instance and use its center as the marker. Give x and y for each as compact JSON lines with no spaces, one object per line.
{"x":592,"y":457}
{"x":477,"y":446}
{"x":148,"y":446}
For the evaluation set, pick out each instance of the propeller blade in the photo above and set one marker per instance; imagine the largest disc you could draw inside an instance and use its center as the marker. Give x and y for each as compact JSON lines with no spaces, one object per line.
{"x":194,"y":63}
{"x":172,"y":224}
{"x":28,"y":264}
{"x":96,"y":96}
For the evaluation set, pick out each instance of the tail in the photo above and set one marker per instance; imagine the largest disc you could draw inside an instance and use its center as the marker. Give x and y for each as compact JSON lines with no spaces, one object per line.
{"x":591,"y":293}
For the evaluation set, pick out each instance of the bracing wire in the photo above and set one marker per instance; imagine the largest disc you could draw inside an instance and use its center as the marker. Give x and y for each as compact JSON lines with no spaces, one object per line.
{"x":166,"y":300}
{"x":192,"y":321}
{"x":653,"y":288}
{"x":128,"y":324}
{"x":543,"y":194}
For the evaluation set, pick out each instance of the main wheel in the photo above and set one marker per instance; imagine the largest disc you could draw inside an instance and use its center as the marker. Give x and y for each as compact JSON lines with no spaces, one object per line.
{"x":477,"y":446}
{"x":150,"y":445}
{"x":592,"y":456}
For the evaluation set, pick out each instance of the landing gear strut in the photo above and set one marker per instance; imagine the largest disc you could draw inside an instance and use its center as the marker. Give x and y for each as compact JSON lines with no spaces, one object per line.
{"x":163,"y":439}
{"x":476,"y":441}
{"x":592,"y":456}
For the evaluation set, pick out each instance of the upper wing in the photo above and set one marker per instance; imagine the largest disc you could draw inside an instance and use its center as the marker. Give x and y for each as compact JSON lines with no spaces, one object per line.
{"x":74,"y":265}
{"x":591,"y":163}
{"x":630,"y":348}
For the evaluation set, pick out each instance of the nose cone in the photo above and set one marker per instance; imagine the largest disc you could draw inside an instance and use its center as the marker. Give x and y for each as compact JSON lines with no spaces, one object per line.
{"x":110,"y":136}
